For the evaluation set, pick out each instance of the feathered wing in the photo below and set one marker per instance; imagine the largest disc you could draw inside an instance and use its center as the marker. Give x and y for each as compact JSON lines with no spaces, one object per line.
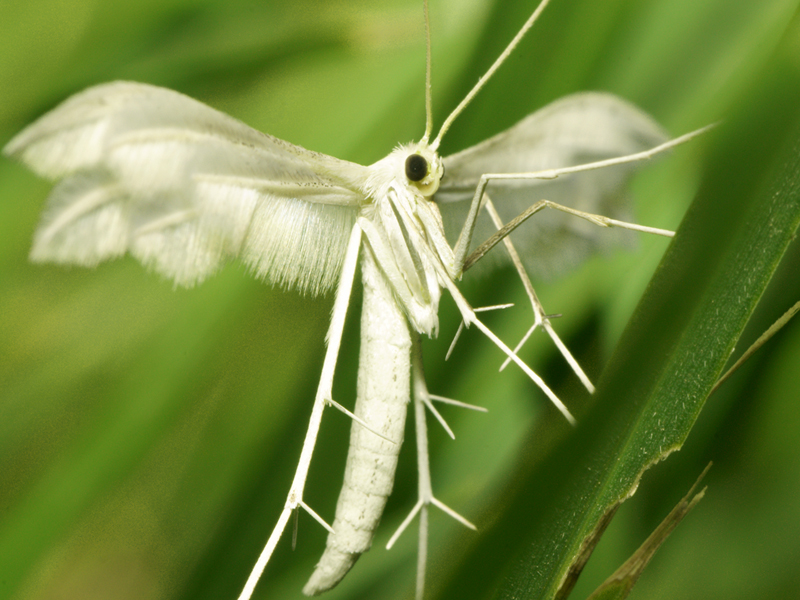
{"x":184,"y":188}
{"x":576,"y":129}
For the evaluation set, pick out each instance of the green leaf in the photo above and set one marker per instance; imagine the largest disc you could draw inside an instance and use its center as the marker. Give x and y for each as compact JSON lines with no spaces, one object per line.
{"x":724,"y":254}
{"x":619,"y":585}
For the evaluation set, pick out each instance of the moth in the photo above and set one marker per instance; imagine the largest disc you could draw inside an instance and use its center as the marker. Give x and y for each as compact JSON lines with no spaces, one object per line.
{"x":184,"y":189}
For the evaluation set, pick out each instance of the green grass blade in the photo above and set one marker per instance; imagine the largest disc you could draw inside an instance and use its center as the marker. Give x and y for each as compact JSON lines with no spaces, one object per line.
{"x":676,"y":345}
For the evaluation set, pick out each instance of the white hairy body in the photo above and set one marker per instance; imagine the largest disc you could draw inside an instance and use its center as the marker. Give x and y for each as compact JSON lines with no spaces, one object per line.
{"x":184,"y":188}
{"x":382,"y":403}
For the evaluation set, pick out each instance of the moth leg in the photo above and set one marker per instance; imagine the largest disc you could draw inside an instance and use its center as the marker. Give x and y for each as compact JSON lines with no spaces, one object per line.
{"x":599,"y":220}
{"x":461,"y":326}
{"x":461,"y":263}
{"x":427,"y":400}
{"x":540,"y":317}
{"x":323,"y":397}
{"x":470,"y":318}
{"x":425,"y":493}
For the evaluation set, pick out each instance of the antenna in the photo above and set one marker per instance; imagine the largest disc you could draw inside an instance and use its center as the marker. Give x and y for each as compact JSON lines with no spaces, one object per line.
{"x":428,"y":103}
{"x":496,"y":65}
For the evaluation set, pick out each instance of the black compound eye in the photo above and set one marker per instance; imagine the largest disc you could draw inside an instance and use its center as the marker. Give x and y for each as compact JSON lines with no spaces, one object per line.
{"x":416,"y":167}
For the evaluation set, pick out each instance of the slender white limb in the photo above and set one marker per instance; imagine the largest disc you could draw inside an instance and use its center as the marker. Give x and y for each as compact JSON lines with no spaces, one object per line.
{"x":457,"y":403}
{"x":422,"y":553}
{"x":404,"y":525}
{"x":446,"y":509}
{"x":469,"y":317}
{"x":528,"y":334}
{"x":323,"y":396}
{"x":439,"y":417}
{"x":521,"y":343}
{"x":461,"y":325}
{"x":427,"y":400}
{"x":261,"y":563}
{"x":599,"y":220}
{"x":562,"y":347}
{"x":358,"y":419}
{"x":493,"y":307}
{"x":426,"y":497}
{"x":455,"y":339}
{"x":527,"y":370}
{"x":314,"y":514}
{"x":465,"y":238}
{"x":540,"y":317}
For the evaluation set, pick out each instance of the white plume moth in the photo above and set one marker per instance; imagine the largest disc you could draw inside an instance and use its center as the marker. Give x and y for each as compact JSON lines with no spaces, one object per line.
{"x":185,"y":188}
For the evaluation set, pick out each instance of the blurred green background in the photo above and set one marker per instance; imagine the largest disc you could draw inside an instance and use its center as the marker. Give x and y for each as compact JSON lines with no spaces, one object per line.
{"x":148,"y":435}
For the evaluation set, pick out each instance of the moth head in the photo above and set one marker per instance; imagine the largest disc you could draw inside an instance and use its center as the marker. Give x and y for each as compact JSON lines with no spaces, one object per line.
{"x":424,"y":170}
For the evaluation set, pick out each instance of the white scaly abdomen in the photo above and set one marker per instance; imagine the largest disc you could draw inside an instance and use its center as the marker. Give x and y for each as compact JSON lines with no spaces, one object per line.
{"x":382,"y":398}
